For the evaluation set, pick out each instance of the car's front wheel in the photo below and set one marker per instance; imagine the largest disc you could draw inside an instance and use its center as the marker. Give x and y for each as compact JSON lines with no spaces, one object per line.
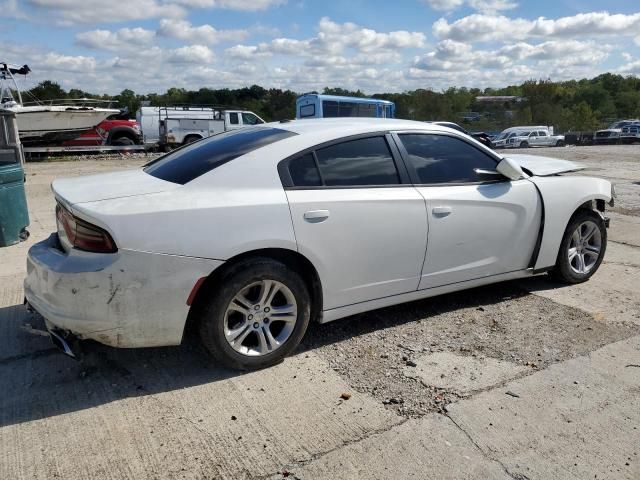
{"x":257,"y":315}
{"x":582,"y":248}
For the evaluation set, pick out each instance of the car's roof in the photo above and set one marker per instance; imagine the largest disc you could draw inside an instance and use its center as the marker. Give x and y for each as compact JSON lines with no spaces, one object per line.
{"x":353,"y":125}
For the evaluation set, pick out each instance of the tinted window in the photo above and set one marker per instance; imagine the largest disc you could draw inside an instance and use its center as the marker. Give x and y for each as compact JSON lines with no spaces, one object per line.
{"x":304,"y":172}
{"x":234,"y":119}
{"x":367,"y":110}
{"x":308,"y":111}
{"x":542,"y":134}
{"x":330,"y":109}
{"x":348,"y":109}
{"x":443,"y":159}
{"x":366,"y":161}
{"x":189,"y":162}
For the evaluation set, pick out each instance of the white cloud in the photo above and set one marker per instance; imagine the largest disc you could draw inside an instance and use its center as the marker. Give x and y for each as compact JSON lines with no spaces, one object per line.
{"x":67,"y":63}
{"x":333,"y":36}
{"x":125,"y":38}
{"x":630,"y":68}
{"x":241,"y":5}
{"x":555,"y":59}
{"x":69,"y":12}
{"x":485,"y":6}
{"x":11,"y":9}
{"x":203,"y":34}
{"x":332,"y":40}
{"x":191,"y":54}
{"x":478,"y":27}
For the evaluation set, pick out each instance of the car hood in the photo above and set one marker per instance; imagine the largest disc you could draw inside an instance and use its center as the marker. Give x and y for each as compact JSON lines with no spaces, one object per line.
{"x":93,"y":188}
{"x":543,"y":166}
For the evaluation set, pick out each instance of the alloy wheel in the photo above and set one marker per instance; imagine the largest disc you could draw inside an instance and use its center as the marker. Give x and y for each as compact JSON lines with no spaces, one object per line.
{"x":585,"y":247}
{"x":260,"y":318}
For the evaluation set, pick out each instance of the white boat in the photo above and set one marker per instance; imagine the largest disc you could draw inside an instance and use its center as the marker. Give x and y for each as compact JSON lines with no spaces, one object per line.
{"x":46,"y":122}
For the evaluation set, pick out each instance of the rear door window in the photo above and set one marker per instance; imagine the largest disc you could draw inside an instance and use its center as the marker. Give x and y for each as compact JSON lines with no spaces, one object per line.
{"x":189,"y":162}
{"x":365,"y":161}
{"x":304,"y":171}
{"x":445,"y":159}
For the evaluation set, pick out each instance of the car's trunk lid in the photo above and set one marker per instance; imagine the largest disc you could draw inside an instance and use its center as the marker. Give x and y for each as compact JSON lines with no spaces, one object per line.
{"x":544,"y":166}
{"x":106,"y":186}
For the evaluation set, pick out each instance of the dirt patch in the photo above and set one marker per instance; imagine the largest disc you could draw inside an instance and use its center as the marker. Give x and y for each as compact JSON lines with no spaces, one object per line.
{"x":371,"y":351}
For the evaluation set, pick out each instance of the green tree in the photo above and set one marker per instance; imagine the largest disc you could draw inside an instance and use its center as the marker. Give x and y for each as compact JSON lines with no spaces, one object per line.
{"x":46,"y":90}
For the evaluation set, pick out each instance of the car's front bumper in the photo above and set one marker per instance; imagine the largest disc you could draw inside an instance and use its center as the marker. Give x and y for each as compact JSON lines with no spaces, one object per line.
{"x":124,"y":299}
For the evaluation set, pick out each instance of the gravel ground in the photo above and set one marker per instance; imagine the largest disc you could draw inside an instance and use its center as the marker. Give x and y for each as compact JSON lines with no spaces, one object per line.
{"x":500,"y":321}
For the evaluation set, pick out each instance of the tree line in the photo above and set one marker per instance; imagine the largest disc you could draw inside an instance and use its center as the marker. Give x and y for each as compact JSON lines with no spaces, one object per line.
{"x":573,"y":105}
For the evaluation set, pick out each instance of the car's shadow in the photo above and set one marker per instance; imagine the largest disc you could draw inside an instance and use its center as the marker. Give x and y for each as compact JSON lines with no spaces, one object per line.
{"x":38,"y":382}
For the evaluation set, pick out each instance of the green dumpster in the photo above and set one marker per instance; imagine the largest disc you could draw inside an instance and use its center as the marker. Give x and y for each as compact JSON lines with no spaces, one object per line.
{"x":14,"y":216}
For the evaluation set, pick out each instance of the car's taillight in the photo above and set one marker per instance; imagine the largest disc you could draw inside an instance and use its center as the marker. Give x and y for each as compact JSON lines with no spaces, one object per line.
{"x":83,"y":235}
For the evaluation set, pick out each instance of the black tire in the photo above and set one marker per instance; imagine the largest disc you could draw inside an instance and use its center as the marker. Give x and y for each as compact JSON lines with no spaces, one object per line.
{"x":563,"y":270}
{"x":559,"y":143}
{"x":212,"y":315}
{"x":524,"y":144}
{"x":122,"y":142}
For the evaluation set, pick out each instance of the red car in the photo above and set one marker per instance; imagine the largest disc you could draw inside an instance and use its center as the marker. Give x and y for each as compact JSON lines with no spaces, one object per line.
{"x":109,"y":132}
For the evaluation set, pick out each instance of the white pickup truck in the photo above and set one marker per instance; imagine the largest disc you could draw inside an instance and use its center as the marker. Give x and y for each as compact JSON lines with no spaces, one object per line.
{"x":174,"y":126}
{"x":525,"y":137}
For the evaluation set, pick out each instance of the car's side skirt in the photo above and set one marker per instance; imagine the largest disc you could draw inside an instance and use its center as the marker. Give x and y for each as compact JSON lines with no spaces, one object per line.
{"x":341,"y":312}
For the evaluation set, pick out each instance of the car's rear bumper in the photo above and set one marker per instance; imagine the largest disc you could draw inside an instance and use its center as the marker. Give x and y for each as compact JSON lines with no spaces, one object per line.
{"x":125,"y":299}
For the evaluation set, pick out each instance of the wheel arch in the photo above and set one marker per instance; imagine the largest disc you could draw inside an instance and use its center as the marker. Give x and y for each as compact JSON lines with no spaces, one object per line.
{"x":290,"y":258}
{"x":195,"y":136}
{"x":122,"y":131}
{"x":563,"y":196}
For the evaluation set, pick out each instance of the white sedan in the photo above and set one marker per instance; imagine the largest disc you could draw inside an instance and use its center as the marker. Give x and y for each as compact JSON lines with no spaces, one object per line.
{"x":250,"y":235}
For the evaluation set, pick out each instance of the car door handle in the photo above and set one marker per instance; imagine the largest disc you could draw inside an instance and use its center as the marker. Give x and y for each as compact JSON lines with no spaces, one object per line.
{"x":442,"y":211}
{"x":316,"y":216}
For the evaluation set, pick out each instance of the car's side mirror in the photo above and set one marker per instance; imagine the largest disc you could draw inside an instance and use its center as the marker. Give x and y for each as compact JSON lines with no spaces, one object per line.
{"x":510,"y":169}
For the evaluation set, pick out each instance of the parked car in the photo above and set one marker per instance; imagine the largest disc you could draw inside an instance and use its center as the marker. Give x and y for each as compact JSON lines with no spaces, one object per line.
{"x":612,"y":134}
{"x":251,"y":234}
{"x":630,"y":133}
{"x":482,"y":137}
{"x":116,"y":132}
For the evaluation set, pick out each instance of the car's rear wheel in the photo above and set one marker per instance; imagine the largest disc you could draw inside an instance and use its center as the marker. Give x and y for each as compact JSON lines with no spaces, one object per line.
{"x":560,"y":143}
{"x":258,"y":314}
{"x":583,"y":247}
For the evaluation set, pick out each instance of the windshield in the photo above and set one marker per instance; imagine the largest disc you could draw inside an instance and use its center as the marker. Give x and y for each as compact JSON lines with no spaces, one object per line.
{"x":189,"y":162}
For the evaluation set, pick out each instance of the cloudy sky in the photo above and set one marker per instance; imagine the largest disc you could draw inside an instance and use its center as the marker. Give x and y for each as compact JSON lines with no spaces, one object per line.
{"x":105,"y":46}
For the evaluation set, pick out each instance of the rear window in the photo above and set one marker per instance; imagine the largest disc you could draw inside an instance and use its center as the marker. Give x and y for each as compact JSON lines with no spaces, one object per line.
{"x":187,"y":163}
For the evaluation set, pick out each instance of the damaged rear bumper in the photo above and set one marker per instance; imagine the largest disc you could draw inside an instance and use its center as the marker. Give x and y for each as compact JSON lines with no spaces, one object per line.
{"x":124,"y":299}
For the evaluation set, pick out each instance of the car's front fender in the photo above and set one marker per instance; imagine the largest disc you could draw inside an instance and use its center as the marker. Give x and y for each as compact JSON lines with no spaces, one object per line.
{"x":561,"y":197}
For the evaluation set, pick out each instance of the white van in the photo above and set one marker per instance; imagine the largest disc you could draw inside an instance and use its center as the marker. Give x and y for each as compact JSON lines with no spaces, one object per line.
{"x":174,"y":126}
